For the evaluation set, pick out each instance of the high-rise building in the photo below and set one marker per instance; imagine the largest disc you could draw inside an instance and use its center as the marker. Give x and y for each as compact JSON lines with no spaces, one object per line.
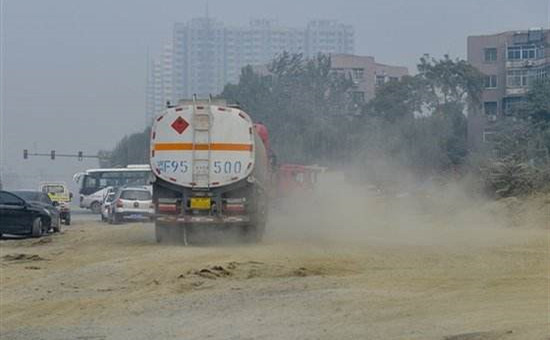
{"x":328,"y":36}
{"x":510,"y":61}
{"x":205,"y":54}
{"x":199,"y":57}
{"x":160,"y":87}
{"x":209,"y":54}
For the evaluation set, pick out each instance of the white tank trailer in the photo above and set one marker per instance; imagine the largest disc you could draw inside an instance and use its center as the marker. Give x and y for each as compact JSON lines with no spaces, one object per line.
{"x":211,"y":170}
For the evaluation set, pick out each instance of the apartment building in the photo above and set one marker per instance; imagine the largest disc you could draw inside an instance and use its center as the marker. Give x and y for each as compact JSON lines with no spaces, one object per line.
{"x":510,"y":61}
{"x":160,"y":87}
{"x":366,"y":73}
{"x":206,"y":54}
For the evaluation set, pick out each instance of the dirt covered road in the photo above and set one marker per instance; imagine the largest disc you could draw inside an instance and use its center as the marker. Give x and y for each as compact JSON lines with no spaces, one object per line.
{"x":389,"y":270}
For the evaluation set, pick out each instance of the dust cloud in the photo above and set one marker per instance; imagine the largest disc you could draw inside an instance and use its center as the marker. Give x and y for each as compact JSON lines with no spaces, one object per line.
{"x":342,"y":211}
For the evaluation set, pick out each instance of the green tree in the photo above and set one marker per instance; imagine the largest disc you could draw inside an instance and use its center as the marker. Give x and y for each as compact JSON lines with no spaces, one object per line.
{"x":517,"y":161}
{"x":131,"y":149}
{"x":303,"y":103}
{"x":423,"y":117}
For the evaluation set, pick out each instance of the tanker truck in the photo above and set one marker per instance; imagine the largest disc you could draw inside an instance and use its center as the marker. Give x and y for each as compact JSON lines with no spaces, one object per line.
{"x":211,"y":170}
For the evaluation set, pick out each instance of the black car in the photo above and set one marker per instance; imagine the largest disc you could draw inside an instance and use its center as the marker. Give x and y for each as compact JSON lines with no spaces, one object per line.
{"x":20,"y":217}
{"x":42,"y":199}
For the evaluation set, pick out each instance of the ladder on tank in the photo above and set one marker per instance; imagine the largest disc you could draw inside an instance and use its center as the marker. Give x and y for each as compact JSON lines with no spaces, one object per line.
{"x":202,"y":121}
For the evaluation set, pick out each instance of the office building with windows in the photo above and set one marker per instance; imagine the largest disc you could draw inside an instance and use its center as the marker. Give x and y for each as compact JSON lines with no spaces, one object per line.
{"x":159,"y":87}
{"x":510,"y":62}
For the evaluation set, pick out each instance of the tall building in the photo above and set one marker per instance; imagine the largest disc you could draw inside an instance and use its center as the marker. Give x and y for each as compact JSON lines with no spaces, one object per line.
{"x":510,"y":61}
{"x":205,"y":54}
{"x":160,"y":87}
{"x":328,"y":36}
{"x":209,"y":54}
{"x":199,"y":57}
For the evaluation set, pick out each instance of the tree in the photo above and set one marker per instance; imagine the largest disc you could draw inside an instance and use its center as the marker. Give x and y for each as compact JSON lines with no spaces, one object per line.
{"x":517,"y":160}
{"x":423,"y":117}
{"x":132,"y":149}
{"x":537,"y":104}
{"x":303,"y":103}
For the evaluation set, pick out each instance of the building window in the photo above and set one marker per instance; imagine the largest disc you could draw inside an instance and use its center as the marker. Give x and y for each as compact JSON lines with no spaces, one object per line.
{"x":490,"y":54}
{"x":525,"y":52}
{"x":514,"y":53}
{"x":357,"y":73}
{"x":528,"y":53}
{"x":490,"y":108}
{"x":491,"y":82}
{"x":380,"y":80}
{"x":517,"y":78}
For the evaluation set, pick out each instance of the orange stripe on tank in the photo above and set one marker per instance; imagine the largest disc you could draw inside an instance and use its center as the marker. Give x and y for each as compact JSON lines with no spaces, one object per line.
{"x":202,"y":147}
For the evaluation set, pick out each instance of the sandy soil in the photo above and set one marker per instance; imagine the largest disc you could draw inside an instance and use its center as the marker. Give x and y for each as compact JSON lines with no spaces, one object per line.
{"x":427,"y":277}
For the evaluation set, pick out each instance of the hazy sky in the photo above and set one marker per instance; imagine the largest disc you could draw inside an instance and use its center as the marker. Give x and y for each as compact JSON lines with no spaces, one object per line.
{"x":74,"y":71}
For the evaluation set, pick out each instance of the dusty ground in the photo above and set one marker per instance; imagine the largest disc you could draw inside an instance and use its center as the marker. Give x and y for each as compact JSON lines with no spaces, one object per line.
{"x":408,"y":274}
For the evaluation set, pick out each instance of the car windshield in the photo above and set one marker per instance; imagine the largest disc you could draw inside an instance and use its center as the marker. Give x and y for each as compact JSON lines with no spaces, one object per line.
{"x":54,"y":189}
{"x":136,"y":195}
{"x":28,"y":195}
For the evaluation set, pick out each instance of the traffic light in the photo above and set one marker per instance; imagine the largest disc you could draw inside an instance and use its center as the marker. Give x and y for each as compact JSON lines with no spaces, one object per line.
{"x":52,"y":154}
{"x":80,"y":155}
{"x":25,"y":154}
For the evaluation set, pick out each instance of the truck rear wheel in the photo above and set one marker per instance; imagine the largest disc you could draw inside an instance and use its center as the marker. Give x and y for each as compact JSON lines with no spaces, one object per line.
{"x":167,"y":233}
{"x":254,"y":233}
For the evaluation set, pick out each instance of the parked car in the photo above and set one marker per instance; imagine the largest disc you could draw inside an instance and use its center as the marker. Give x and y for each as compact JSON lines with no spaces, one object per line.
{"x":43,"y":200}
{"x":106,"y":206}
{"x":21,"y":217}
{"x":131,"y":203}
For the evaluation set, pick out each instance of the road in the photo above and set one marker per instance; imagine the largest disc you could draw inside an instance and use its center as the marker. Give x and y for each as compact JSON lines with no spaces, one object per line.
{"x":378,"y":274}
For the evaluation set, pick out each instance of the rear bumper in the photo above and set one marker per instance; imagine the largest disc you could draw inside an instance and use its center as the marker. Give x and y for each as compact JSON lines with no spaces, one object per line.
{"x":203,"y":220}
{"x":135,"y":215}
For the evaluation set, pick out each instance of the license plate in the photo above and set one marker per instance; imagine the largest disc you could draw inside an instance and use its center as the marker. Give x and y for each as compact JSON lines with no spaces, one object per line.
{"x":201,"y":203}
{"x":136,"y":216}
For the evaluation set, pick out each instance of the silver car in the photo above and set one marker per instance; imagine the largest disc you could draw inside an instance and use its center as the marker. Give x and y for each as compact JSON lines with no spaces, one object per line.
{"x":132,"y":203}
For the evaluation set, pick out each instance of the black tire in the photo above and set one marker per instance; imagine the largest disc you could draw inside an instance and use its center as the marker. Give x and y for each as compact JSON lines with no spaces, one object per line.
{"x":254,"y":233}
{"x":58,"y":228}
{"x":36,"y":230}
{"x":95,"y":207}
